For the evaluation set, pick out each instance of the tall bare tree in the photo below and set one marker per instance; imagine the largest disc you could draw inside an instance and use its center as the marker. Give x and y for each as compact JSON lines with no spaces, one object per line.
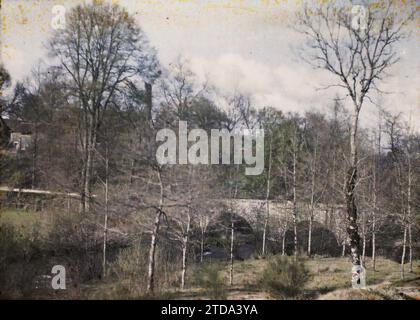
{"x":99,"y":50}
{"x":358,"y":49}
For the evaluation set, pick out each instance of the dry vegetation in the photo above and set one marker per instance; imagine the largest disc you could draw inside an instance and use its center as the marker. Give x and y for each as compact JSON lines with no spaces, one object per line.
{"x":329,"y":280}
{"x":328,"y":276}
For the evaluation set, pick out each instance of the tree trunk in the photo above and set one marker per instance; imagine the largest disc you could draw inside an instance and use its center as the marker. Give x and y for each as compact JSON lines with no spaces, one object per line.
{"x":374,"y":222}
{"x":87,"y":188}
{"x":132,"y":171}
{"x":311,"y":217}
{"x":403,"y":252}
{"x":410,"y":247}
{"x":351,"y":179}
{"x":373,"y":245}
{"x":363,"y":238}
{"x":267,"y":209}
{"x":184,"y":262}
{"x":105,"y":231}
{"x":232,"y":228}
{"x":267,"y":203}
{"x":148,"y":100}
{"x":152,"y":252}
{"x":375,"y":196}
{"x":202,"y":246}
{"x":85,"y":146}
{"x":295,"y":240}
{"x":91,"y":146}
{"x":105,"y":235}
{"x":184,"y":252}
{"x":153,"y":242}
{"x":363,"y":249}
{"x":343,"y":251}
{"x":311,"y":220}
{"x":283,"y":243}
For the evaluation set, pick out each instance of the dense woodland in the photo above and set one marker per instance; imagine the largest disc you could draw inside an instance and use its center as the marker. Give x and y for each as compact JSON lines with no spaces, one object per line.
{"x":93,"y":112}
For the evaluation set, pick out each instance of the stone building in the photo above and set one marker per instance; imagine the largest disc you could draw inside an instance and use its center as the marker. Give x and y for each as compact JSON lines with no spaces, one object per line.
{"x":17,"y":133}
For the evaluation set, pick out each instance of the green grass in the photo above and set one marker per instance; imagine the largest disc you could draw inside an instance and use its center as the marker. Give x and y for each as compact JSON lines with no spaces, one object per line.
{"x":328,"y":274}
{"x":25,"y":223}
{"x":18,"y":218}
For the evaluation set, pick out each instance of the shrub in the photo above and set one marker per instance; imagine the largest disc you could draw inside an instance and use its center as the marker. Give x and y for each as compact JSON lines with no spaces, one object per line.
{"x":210,"y":278}
{"x":18,"y":266}
{"x":285,"y":277}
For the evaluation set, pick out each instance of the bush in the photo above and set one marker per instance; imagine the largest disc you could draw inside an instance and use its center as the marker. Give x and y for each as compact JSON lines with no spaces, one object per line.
{"x":285,"y":277}
{"x":210,"y":278}
{"x":18,"y":263}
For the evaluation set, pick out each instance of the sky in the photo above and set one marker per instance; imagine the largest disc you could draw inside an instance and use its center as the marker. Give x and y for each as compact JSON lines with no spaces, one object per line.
{"x":245,"y":46}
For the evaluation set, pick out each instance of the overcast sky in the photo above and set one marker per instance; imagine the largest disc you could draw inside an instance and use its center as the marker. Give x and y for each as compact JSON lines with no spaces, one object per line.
{"x":243,"y":46}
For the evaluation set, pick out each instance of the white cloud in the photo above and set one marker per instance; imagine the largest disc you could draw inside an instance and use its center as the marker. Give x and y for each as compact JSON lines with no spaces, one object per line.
{"x":249,"y":51}
{"x":289,"y":87}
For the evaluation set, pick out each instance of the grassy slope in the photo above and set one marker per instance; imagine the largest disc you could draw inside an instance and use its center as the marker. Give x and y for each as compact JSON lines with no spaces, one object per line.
{"x":27,"y":221}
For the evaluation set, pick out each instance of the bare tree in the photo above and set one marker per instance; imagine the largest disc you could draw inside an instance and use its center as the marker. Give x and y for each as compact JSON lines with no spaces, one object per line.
{"x":294,"y":186}
{"x":233,"y":195}
{"x":203,"y":224}
{"x":295,"y":148}
{"x":408,"y":154}
{"x":193,"y":210}
{"x":99,"y":50}
{"x":105,"y":183}
{"x":358,"y":52}
{"x":180,"y":89}
{"x":316,"y":138}
{"x":154,"y":238}
{"x":402,"y":173}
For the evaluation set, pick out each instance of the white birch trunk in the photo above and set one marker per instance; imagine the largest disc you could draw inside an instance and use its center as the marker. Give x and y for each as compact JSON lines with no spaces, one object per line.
{"x":350,"y":195}
{"x":232,"y":228}
{"x":410,"y":245}
{"x":202,"y":246}
{"x":311,"y":214}
{"x":403,"y":252}
{"x":295,"y":240}
{"x":267,"y":203}
{"x":105,"y":232}
{"x":283,"y":244}
{"x":185,"y":251}
{"x":153,"y":241}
